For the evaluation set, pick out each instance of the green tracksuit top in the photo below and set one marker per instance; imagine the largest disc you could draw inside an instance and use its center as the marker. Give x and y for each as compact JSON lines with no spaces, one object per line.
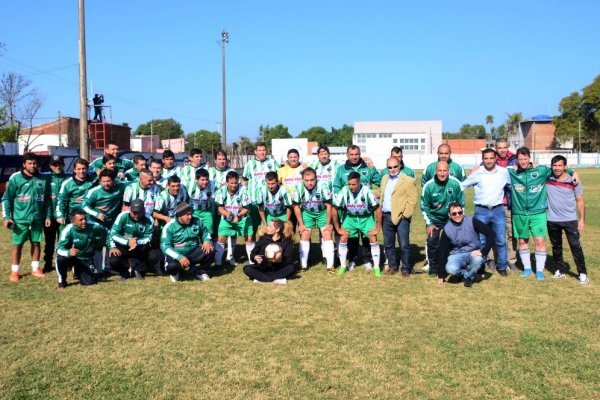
{"x":84,"y":240}
{"x":122,"y":164}
{"x":368,"y":176}
{"x":56,"y":181}
{"x":454,"y":169}
{"x":27,"y":198}
{"x":125,"y":228}
{"x":71,"y":195}
{"x":108,"y":202}
{"x":179,"y":240}
{"x":528,"y":189}
{"x":436,"y":196}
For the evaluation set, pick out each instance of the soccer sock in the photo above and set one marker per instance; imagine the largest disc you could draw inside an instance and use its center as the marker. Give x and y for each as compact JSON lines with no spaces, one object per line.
{"x":35,"y":265}
{"x":219,"y":250}
{"x":540,"y":260}
{"x":230,"y":246}
{"x":327,"y":248}
{"x":343,"y":252}
{"x":304,"y":249}
{"x":15,"y":268}
{"x":375,"y":253}
{"x":249,"y":248}
{"x":525,"y":258}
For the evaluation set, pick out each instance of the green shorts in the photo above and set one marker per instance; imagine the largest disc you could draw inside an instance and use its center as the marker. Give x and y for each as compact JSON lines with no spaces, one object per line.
{"x":314,"y":220}
{"x":254,"y":216}
{"x":242,"y":228}
{"x":269,"y":217}
{"x":207,"y":219}
{"x":355,"y":224}
{"x":27,"y":231}
{"x":526,"y":226}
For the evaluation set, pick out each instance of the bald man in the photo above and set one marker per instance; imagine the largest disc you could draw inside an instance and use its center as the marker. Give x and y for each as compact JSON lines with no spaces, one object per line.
{"x":444,"y":154}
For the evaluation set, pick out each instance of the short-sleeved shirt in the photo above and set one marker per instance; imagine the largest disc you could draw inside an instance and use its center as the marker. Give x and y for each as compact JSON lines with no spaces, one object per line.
{"x":202,"y":199}
{"x":361,"y":203}
{"x":275,"y":203}
{"x":312,"y":200}
{"x":218,"y":176}
{"x":325,"y":172}
{"x":166,"y":203}
{"x":233,"y":203}
{"x":255,"y":172}
{"x":149,"y":196}
{"x":562,"y":203}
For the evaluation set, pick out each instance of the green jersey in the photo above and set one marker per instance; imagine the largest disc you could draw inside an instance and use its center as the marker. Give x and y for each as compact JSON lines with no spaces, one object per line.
{"x":85,"y":240}
{"x":277,"y":203}
{"x":126,"y":228}
{"x":436,"y":196}
{"x":179,"y":240}
{"x":56,"y":181}
{"x":132,"y":175}
{"x":368,"y":176}
{"x":218,"y":176}
{"x":108,"y":202}
{"x":325,"y":172}
{"x":167,"y":203}
{"x":71,"y":195}
{"x":528,"y":190}
{"x":121,"y":164}
{"x":202,"y":199}
{"x":455,"y":170}
{"x":233,"y":203}
{"x":255,"y":172}
{"x":27,"y":198}
{"x":312,"y":200}
{"x":148,"y":196}
{"x":361,"y":203}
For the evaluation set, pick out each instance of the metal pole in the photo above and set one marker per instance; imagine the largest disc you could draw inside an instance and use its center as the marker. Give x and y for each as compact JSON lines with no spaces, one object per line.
{"x":83,"y":117}
{"x":224,"y":40}
{"x":151,"y":138}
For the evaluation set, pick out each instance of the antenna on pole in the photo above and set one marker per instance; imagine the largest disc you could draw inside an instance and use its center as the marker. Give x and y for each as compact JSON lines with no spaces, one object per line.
{"x":224,"y":41}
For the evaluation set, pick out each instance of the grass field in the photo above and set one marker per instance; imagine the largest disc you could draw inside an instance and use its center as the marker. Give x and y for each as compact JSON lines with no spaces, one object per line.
{"x":318,"y":337}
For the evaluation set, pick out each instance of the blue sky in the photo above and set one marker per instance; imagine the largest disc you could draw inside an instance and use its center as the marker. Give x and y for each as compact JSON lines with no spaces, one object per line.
{"x":306,"y":63}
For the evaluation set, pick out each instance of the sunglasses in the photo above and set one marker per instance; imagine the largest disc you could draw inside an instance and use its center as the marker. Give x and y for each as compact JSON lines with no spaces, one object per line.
{"x":455,"y":213}
{"x":394,"y":167}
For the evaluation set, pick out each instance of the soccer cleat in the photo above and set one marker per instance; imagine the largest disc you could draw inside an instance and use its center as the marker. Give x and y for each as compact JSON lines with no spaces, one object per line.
{"x":174,"y":278}
{"x":583,"y":279}
{"x":540,"y":275}
{"x":526,"y":273}
{"x":14,"y":276}
{"x":368,"y":267}
{"x":558,"y":275}
{"x":281,"y":281}
{"x":377,"y":272}
{"x":203,"y":277}
{"x":38,"y":273}
{"x":341,"y":271}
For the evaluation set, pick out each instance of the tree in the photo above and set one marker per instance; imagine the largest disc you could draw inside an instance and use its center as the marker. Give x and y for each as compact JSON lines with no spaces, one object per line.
{"x":341,"y":137}
{"x":165,"y":128}
{"x":500,"y":132}
{"x":468,"y":131}
{"x":513,"y":121}
{"x":267,"y":134}
{"x":28,"y":112}
{"x":245,"y":145}
{"x":204,"y":140}
{"x":15,"y":91}
{"x":315,"y":134}
{"x":489,"y":120}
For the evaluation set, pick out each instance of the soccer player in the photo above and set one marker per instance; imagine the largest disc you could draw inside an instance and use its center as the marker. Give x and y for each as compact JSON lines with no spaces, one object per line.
{"x":168,"y":198}
{"x":312,"y":206}
{"x":129,"y":239}
{"x":290,"y":174}
{"x":122,"y":164}
{"x":76,"y":247}
{"x":133,"y":174}
{"x":57,"y":176}
{"x":169,"y":168}
{"x":275,"y":201}
{"x":565,"y":199}
{"x":203,"y":203}
{"x":361,"y":214}
{"x":219,"y":172}
{"x":232,"y":203}
{"x":143,"y":189}
{"x":325,"y":167}
{"x":103,"y":203}
{"x":73,"y":191}
{"x":396,"y":152}
{"x":444,"y":154}
{"x":437,"y":194}
{"x":187,"y":174}
{"x":187,"y":244}
{"x":27,"y":208}
{"x":156,"y":167}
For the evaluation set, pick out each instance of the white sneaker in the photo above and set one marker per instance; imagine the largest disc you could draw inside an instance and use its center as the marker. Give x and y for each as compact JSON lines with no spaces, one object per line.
{"x":203,"y":277}
{"x":368,"y":267}
{"x":281,"y":281}
{"x":351,"y":266}
{"x":175,"y":278}
{"x":583,"y":279}
{"x":558,"y":275}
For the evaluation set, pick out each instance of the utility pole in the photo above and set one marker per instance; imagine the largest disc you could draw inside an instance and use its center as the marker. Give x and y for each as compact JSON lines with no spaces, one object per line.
{"x":83,"y":117}
{"x":224,"y":41}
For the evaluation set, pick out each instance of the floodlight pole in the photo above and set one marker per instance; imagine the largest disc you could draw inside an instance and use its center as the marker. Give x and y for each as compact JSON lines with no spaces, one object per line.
{"x":224,"y":41}
{"x":83,"y":117}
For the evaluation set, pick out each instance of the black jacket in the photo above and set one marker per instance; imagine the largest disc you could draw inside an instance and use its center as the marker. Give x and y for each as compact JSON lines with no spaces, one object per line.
{"x":287,"y":252}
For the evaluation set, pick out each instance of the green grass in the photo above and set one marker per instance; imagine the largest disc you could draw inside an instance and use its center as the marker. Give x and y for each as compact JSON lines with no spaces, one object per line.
{"x":318,"y":337}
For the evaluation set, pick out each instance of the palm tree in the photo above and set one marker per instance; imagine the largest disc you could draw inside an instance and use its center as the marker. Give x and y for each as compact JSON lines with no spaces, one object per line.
{"x":513,"y":120}
{"x":489,"y":120}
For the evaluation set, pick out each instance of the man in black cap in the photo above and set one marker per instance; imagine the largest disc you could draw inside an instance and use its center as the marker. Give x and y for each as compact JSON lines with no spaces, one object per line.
{"x":56,"y":177}
{"x":186,"y":242}
{"x":129,"y":239}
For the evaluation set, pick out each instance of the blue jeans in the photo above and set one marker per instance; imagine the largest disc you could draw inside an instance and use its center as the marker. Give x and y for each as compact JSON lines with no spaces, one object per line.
{"x":495,"y":220}
{"x":390,"y":233}
{"x":463,"y":264}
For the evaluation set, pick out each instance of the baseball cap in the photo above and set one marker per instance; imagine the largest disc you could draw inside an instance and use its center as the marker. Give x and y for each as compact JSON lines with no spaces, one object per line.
{"x":137,"y":205}
{"x":57,"y":160}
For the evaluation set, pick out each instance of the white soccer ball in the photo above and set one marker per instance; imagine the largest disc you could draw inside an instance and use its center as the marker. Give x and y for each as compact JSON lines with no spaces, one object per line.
{"x":273,"y":252}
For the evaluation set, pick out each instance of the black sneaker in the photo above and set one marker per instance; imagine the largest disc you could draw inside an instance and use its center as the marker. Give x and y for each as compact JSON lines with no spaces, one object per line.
{"x":503,"y":273}
{"x":468,"y":282}
{"x":139,"y":275}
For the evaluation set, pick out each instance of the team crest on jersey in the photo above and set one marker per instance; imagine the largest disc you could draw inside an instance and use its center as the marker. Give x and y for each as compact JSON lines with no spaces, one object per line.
{"x":40,"y":184}
{"x":141,"y":228}
{"x":364,"y":172}
{"x":534,"y":175}
{"x":195,"y":230}
{"x":450,"y":191}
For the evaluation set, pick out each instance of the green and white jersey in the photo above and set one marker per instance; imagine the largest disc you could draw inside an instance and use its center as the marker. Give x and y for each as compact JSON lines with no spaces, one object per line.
{"x":27,"y":198}
{"x":202,"y":199}
{"x":84,"y":240}
{"x":167,"y":173}
{"x":71,"y":195}
{"x":275,"y":203}
{"x":179,"y":240}
{"x":187,"y":174}
{"x":149,"y":196}
{"x":122,"y":164}
{"x":132,"y":175}
{"x":325,"y":172}
{"x":312,"y":200}
{"x":108,"y":202}
{"x":361,"y":203}
{"x":162,"y":182}
{"x":166,"y":202}
{"x":126,"y":228}
{"x":218,"y":176}
{"x":255,"y":172}
{"x":233,"y":203}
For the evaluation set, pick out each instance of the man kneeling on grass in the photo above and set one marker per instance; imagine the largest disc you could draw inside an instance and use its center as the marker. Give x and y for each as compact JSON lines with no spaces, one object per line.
{"x":180,"y":242}
{"x":460,"y":239}
{"x":76,"y":249}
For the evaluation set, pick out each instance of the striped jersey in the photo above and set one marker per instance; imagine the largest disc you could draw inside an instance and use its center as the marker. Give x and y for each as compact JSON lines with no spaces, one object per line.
{"x":218,"y":176}
{"x":203,"y":199}
{"x":149,"y":196}
{"x":361,"y":203}
{"x":233,"y":203}
{"x":275,"y":203}
{"x":255,"y":172}
{"x":325,"y":172}
{"x":167,"y":203}
{"x":312,"y":200}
